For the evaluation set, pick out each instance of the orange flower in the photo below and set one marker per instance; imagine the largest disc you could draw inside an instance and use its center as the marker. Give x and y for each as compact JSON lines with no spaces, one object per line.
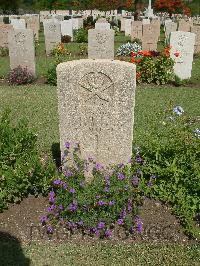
{"x":138,"y":75}
{"x":146,"y":53}
{"x":133,"y":60}
{"x":140,"y":53}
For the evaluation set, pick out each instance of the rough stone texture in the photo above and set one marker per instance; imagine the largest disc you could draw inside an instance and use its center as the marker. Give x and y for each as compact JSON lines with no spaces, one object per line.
{"x":182,"y":42}
{"x":146,"y":21}
{"x":101,"y":44}
{"x":184,"y":25}
{"x":22,"y":49}
{"x":196,"y":29}
{"x":128,"y":27}
{"x":77,"y":23}
{"x":156,"y":25}
{"x":52,"y":35}
{"x":102,"y":24}
{"x":136,"y":30}
{"x":4,"y":30}
{"x":67,"y":28}
{"x":170,"y":27}
{"x":149,"y":38}
{"x":18,"y":23}
{"x":96,"y":108}
{"x":33,"y":23}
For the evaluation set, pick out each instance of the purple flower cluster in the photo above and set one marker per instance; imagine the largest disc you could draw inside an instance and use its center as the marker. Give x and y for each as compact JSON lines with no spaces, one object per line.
{"x":139,"y":224}
{"x":73,"y":206}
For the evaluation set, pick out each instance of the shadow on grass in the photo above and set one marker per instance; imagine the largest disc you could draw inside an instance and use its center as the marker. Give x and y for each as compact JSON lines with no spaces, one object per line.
{"x":11,"y":252}
{"x":55,"y":149}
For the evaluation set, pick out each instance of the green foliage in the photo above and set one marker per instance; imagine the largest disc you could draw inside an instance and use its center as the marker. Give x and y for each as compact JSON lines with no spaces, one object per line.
{"x":51,"y":71}
{"x":173,"y":157}
{"x":97,"y":206}
{"x":22,"y":170}
{"x":81,"y":35}
{"x":20,"y":76}
{"x":4,"y":51}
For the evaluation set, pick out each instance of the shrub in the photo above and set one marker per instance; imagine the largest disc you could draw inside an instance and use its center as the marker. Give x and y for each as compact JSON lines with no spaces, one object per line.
{"x":89,"y":22}
{"x":128,"y":48}
{"x":153,"y":66}
{"x":21,"y":168}
{"x":60,"y":50}
{"x":51,"y":71}
{"x":81,"y":35}
{"x":172,"y":156}
{"x":66,"y":39}
{"x":96,"y":208}
{"x":4,"y":51}
{"x":83,"y":49}
{"x":20,"y":76}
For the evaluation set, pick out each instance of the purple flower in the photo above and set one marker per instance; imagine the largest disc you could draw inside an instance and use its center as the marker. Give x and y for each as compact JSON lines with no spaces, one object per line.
{"x":138,"y":159}
{"x":111,"y":203}
{"x":101,"y":203}
{"x":130,"y":160}
{"x":108,"y":233}
{"x":64,"y":185}
{"x":72,"y":190}
{"x":129,"y":207}
{"x":120,"y":221}
{"x":73,"y":206}
{"x":52,"y":194}
{"x":49,"y":229}
{"x":52,"y":200}
{"x":106,"y":189}
{"x":120,"y":165}
{"x":107,"y":180}
{"x":68,"y":173}
{"x":67,"y":145}
{"x":80,"y":223}
{"x":123,"y":213}
{"x":101,"y":225}
{"x":61,"y":207}
{"x":135,"y":181}
{"x":139,"y":224}
{"x":43,"y":219}
{"x":149,"y":184}
{"x":98,"y":166}
{"x":57,"y":182}
{"x":120,"y":176}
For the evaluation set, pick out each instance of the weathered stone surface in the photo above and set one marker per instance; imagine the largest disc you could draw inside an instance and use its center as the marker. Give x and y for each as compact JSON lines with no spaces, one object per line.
{"x":183,"y":43}
{"x":128,"y":26}
{"x":102,"y":24}
{"x":184,"y":25}
{"x":149,"y":38}
{"x":146,"y":21}
{"x":4,"y":30}
{"x":96,"y":108}
{"x":101,"y":44}
{"x":52,"y":35}
{"x":33,"y":23}
{"x":18,"y":23}
{"x":156,"y":25}
{"x":136,"y":30}
{"x":170,"y":27}
{"x":22,"y":49}
{"x":67,"y":28}
{"x":77,"y":23}
{"x":196,"y":29}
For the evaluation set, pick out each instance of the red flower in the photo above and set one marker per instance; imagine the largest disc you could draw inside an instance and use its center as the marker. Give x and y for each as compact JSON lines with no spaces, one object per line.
{"x":133,"y":54}
{"x":177,"y":54}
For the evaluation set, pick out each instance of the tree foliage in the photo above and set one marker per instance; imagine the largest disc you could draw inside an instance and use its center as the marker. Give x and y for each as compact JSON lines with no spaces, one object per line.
{"x":171,"y":6}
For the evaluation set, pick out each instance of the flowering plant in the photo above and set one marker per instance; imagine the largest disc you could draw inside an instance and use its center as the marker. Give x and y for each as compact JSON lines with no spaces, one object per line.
{"x":95,"y":208}
{"x":60,"y":50}
{"x":20,"y":76}
{"x":128,"y":48}
{"x":153,"y":66}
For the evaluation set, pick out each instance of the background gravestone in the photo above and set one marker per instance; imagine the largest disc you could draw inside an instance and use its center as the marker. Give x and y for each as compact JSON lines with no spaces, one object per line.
{"x":102,"y":24}
{"x":196,"y":29}
{"x":136,"y":30}
{"x":96,"y":108}
{"x":101,"y":44}
{"x":52,"y":35}
{"x":149,"y":38}
{"x":22,"y":49}
{"x":4,"y":30}
{"x":170,"y":27}
{"x":183,"y":43}
{"x":18,"y":23}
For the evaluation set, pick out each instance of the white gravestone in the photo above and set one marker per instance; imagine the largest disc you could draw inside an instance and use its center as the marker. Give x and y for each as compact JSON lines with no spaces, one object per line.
{"x":22,"y":49}
{"x":52,"y":35}
{"x":67,"y":28}
{"x":96,"y":101}
{"x":101,"y":44}
{"x":128,"y":27}
{"x":183,"y":44}
{"x":18,"y":23}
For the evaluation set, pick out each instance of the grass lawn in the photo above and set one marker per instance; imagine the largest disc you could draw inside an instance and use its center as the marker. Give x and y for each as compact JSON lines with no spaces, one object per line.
{"x":100,"y":254}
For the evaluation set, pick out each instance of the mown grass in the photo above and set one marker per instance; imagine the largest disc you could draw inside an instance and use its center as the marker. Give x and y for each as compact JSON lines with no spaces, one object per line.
{"x":100,"y":254}
{"x":39,"y":105}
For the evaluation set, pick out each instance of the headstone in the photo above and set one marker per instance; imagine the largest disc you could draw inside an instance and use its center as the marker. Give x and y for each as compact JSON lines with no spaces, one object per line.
{"x":183,"y":44}
{"x":156,"y":25}
{"x":184,"y":25}
{"x":170,"y":27}
{"x":123,"y":24}
{"x":33,"y":23}
{"x":136,"y":30}
{"x":128,"y":27}
{"x":102,"y":24}
{"x":77,"y":23}
{"x":4,"y":30}
{"x":22,"y":49}
{"x":96,"y":108}
{"x":18,"y":23}
{"x":196,"y":29}
{"x":101,"y":44}
{"x":149,"y":38}
{"x":146,"y":21}
{"x":67,"y":28}
{"x":52,"y":35}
